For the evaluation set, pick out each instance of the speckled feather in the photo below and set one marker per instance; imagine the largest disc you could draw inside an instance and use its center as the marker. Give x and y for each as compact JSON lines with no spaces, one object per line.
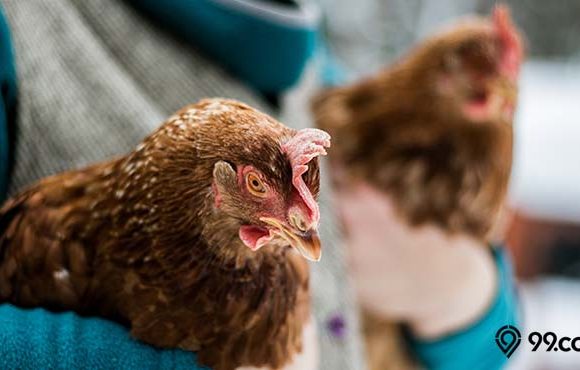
{"x":138,"y":239}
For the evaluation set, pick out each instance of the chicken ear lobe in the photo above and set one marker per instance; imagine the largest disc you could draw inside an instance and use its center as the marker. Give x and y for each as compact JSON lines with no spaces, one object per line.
{"x":224,"y":174}
{"x":224,"y":181}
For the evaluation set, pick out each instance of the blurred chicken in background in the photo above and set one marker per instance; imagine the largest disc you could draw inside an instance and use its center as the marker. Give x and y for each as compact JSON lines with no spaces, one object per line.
{"x":544,"y":192}
{"x":431,"y":135}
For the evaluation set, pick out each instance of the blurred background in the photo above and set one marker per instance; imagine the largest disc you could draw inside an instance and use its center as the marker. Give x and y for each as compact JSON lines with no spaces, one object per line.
{"x":544,"y":230}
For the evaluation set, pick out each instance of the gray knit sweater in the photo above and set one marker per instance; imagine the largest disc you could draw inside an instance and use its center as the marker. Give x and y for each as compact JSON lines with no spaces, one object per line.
{"x":95,"y":78}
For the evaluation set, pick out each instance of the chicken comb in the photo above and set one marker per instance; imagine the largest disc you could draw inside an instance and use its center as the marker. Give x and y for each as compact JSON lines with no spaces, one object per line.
{"x":306,"y":145}
{"x":510,"y":39}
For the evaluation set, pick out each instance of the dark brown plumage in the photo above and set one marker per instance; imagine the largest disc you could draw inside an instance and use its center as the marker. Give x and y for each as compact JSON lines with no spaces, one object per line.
{"x":186,"y":239}
{"x":433,"y":131}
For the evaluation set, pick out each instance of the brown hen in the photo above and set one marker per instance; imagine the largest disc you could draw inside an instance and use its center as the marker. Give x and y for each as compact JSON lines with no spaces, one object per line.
{"x":186,"y":239}
{"x":434,"y":132}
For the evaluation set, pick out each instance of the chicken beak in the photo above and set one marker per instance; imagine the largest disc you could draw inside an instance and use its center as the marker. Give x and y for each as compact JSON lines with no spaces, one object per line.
{"x":307,"y":243}
{"x":309,"y":246}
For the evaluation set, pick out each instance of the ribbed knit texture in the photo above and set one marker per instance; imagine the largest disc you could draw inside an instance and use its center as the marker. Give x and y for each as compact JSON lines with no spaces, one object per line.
{"x":46,"y":340}
{"x":95,"y":77}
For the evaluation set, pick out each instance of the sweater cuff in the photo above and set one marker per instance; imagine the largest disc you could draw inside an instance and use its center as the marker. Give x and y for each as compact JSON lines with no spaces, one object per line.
{"x":474,"y":347}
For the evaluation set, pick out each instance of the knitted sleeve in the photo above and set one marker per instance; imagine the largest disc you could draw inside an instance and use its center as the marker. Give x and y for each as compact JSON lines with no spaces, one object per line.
{"x":39,"y":339}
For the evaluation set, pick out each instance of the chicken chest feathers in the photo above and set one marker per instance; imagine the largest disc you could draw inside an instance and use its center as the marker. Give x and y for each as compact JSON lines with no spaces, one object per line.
{"x":152,"y":238}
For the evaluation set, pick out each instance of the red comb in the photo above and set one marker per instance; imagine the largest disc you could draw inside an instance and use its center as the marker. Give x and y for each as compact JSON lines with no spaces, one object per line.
{"x":511,"y":41}
{"x":306,"y":145}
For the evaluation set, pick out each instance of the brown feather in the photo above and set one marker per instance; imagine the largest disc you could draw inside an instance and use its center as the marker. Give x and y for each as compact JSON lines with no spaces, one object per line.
{"x":138,"y":239}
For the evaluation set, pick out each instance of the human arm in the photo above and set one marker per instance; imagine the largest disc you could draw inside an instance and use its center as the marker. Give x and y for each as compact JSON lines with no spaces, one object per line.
{"x":450,"y":291}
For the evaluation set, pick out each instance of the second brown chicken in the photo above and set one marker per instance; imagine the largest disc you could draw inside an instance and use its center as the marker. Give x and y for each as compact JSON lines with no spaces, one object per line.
{"x":434,"y":133}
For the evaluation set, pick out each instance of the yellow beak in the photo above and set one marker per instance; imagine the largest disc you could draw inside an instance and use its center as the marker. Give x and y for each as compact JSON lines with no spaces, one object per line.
{"x":307,"y":243}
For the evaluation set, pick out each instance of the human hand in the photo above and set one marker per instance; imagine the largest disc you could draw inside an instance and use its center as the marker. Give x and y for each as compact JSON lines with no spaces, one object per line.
{"x":434,"y":281}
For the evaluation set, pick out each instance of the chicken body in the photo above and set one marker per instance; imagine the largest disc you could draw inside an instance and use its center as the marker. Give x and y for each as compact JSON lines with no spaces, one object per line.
{"x":167,"y":238}
{"x":433,"y":132}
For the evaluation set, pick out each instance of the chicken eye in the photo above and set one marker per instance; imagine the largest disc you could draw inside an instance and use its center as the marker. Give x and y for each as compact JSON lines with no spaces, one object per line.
{"x":255,"y":185}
